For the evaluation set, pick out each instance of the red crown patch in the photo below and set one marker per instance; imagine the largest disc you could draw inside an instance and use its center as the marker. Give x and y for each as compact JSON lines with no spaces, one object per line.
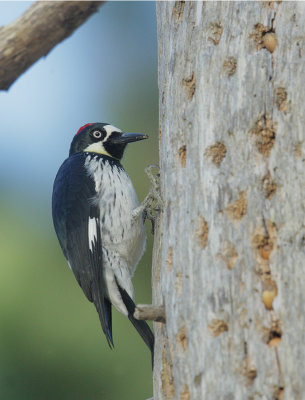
{"x":82,"y":127}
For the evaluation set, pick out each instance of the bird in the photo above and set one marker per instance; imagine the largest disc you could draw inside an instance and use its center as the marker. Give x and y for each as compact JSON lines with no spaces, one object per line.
{"x":100,"y":224}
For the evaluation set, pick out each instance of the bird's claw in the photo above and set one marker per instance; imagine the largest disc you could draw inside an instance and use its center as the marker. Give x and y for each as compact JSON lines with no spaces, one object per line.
{"x":153,"y":203}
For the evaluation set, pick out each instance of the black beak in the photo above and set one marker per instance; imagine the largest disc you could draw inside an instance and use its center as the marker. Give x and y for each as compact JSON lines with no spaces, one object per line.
{"x":128,"y":138}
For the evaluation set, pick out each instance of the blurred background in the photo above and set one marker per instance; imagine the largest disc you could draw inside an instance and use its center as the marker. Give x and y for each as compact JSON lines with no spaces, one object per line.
{"x":51,"y":342}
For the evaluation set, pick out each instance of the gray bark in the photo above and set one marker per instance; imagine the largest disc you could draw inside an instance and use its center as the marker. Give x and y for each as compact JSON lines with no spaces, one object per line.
{"x":230,"y":242}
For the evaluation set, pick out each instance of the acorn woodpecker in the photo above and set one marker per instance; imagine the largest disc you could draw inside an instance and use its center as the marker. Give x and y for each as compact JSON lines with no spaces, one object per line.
{"x":99,"y":223}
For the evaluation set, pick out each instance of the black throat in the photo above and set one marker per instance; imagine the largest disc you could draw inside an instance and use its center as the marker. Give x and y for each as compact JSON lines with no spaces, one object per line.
{"x":115,"y":150}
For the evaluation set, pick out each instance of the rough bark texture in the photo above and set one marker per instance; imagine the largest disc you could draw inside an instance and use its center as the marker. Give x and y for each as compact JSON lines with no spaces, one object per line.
{"x":36,"y":32}
{"x":229,"y":261}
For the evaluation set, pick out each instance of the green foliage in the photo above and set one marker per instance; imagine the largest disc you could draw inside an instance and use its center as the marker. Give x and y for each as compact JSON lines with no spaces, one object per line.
{"x":51,"y":343}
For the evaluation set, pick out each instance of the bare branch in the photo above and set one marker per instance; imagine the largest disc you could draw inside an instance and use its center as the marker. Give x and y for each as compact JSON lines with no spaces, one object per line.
{"x":150,"y":312}
{"x":36,"y":32}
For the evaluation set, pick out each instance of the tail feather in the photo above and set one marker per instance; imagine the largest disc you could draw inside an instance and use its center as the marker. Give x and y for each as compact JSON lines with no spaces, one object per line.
{"x":141,"y":326}
{"x":103,"y":308}
{"x":98,"y":288}
{"x":108,"y":318}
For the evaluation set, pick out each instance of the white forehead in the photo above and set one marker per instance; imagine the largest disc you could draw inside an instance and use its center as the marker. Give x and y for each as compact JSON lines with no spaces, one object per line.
{"x":109,"y":129}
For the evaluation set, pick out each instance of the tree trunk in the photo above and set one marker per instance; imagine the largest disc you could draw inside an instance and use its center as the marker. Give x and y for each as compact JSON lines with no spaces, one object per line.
{"x":230,"y":242}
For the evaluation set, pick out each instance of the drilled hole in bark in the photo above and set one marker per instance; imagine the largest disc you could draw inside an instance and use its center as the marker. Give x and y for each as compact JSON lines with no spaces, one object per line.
{"x":190,"y":85}
{"x":181,"y":338}
{"x":264,"y":37}
{"x":202,"y":232}
{"x":265,"y":134}
{"x":250,"y":371}
{"x":264,"y":243}
{"x":169,"y":259}
{"x":216,"y":153}
{"x":185,"y":393}
{"x":215,"y":31}
{"x":217,"y":326}
{"x":167,"y":378}
{"x":281,"y":98}
{"x":229,"y":66}
{"x":268,"y":186}
{"x":182,"y":156}
{"x":273,"y":335}
{"x":251,"y":374}
{"x":237,"y":210}
{"x":178,"y":10}
{"x":279,"y":393}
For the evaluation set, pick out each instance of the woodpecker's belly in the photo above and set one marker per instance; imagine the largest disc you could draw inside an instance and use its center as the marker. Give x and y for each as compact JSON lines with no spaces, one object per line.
{"x":121,"y":234}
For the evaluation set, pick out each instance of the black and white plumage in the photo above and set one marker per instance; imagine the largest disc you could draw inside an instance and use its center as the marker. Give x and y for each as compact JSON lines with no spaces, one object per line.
{"x":96,"y":219}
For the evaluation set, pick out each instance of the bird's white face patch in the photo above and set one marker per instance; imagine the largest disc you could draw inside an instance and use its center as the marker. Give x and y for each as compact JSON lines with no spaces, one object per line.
{"x":98,"y":147}
{"x":109,"y":129}
{"x":92,"y":232}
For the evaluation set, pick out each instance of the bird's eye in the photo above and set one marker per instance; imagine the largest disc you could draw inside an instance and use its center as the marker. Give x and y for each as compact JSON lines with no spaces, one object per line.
{"x":97,"y":134}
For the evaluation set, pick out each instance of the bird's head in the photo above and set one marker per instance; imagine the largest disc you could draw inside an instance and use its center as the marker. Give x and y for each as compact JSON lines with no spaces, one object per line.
{"x":102,"y":138}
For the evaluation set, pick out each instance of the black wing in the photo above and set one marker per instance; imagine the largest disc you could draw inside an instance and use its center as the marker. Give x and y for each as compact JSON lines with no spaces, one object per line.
{"x":72,"y":207}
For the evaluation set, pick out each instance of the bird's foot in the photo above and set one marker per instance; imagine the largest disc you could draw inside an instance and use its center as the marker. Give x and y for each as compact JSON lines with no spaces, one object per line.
{"x":154,"y":178}
{"x":153,"y":203}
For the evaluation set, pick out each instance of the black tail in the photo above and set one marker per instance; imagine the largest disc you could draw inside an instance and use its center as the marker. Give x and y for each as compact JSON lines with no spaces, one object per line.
{"x":141,"y":326}
{"x":103,"y":307}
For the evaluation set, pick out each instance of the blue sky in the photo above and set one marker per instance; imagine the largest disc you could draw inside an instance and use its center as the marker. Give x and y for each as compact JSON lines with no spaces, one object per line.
{"x":106,"y":71}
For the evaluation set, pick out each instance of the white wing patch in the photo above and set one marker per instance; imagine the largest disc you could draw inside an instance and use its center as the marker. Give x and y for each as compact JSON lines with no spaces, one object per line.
{"x":92,"y":231}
